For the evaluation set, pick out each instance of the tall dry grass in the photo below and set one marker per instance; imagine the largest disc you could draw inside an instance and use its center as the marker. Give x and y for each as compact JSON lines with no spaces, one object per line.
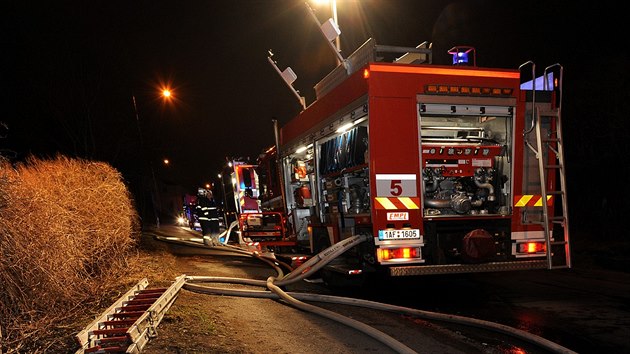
{"x":68,"y":229}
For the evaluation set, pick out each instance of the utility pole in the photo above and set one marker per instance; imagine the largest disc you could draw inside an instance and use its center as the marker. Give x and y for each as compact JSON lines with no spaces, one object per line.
{"x":155,"y":197}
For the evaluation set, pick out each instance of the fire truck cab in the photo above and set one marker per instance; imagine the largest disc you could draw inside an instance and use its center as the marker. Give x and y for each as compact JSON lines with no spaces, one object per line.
{"x":448,"y":169}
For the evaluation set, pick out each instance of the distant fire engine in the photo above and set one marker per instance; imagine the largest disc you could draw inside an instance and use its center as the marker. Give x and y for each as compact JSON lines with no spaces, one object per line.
{"x":448,"y":169}
{"x":189,"y":216}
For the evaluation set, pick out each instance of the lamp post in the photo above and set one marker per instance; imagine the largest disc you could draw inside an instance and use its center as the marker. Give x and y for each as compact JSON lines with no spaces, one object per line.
{"x":155,"y":196}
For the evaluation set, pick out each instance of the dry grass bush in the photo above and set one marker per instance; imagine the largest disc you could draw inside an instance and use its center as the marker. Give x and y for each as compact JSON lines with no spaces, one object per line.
{"x":68,"y":236}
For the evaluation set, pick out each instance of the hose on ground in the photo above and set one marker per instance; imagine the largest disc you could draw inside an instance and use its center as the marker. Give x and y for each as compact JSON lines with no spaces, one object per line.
{"x":319,"y":261}
{"x":298,"y":274}
{"x":271,"y":261}
{"x":301,"y":272}
{"x":371,"y":331}
{"x":428,"y":315}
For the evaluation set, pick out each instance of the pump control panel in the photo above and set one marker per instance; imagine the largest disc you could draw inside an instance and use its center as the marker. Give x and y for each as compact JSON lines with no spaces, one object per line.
{"x":460,"y":160}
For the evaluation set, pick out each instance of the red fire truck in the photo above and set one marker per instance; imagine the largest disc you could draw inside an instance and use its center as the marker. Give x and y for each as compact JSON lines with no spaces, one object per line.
{"x":189,"y":216}
{"x":448,"y":169}
{"x":268,"y":228}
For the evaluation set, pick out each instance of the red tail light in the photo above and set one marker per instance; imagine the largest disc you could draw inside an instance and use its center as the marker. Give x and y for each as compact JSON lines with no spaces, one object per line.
{"x":531,"y":247}
{"x":386,"y":254}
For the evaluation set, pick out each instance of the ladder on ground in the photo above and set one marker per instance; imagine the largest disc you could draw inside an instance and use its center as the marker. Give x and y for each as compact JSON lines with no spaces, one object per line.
{"x":127,"y":325}
{"x":549,"y":152}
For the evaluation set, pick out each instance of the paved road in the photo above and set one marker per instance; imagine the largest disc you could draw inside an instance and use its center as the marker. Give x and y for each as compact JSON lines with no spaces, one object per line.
{"x":585,"y":310}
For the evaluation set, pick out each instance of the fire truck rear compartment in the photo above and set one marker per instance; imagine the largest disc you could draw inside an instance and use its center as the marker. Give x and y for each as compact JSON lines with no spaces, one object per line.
{"x":445,"y":241}
{"x":444,"y":249}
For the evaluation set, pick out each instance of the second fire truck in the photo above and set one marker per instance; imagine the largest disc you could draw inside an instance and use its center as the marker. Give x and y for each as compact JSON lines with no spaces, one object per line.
{"x":266,"y":228}
{"x":448,"y":169}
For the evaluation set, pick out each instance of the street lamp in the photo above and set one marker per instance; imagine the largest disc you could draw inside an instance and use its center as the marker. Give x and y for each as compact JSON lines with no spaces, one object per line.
{"x":155,"y":196}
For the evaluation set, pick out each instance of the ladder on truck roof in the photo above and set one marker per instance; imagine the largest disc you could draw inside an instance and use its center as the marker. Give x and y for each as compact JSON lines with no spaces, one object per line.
{"x":557,"y":248}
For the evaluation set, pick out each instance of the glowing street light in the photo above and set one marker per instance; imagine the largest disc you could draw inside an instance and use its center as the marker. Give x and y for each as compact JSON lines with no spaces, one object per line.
{"x":155,"y":197}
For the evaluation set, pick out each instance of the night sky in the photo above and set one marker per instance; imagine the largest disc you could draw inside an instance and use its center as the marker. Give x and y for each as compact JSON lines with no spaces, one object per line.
{"x":71,"y":68}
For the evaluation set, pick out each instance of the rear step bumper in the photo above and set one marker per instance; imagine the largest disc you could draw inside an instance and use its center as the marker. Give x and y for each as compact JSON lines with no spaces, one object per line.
{"x":467,"y":268}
